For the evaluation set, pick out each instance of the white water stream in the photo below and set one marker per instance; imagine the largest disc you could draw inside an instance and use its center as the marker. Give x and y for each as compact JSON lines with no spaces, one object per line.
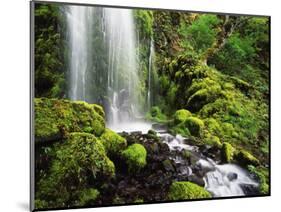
{"x":221,"y":180}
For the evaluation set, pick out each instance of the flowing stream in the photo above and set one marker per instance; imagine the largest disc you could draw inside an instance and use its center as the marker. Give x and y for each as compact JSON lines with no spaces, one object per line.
{"x":221,"y":180}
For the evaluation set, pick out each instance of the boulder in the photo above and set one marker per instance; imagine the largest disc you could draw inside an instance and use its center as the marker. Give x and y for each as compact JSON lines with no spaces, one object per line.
{"x":55,"y":118}
{"x":186,"y":190}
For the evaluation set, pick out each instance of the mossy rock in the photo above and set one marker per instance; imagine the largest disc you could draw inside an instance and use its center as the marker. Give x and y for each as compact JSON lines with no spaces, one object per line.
{"x":88,"y":196}
{"x":81,"y":159}
{"x":244,"y":158}
{"x":181,"y":116}
{"x":113,"y":143}
{"x":213,"y":141}
{"x":227,"y":152}
{"x":187,"y":190}
{"x":180,"y":129}
{"x":55,"y":118}
{"x":261,"y":174}
{"x":135,"y":157}
{"x":194,"y":125}
{"x":202,"y":92}
{"x":213,"y":126}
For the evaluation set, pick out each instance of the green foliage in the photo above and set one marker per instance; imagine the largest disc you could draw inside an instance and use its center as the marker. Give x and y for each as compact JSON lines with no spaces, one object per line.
{"x":200,"y":34}
{"x":155,"y":114}
{"x":112,"y":142}
{"x":88,"y":196}
{"x":186,"y":190}
{"x":194,"y":125}
{"x":49,"y":57}
{"x":181,"y":116}
{"x":227,"y":152}
{"x":55,"y":118}
{"x":40,"y":204}
{"x":78,"y":161}
{"x":246,"y":51}
{"x":262,"y":175}
{"x":135,"y":157}
{"x":144,"y":21}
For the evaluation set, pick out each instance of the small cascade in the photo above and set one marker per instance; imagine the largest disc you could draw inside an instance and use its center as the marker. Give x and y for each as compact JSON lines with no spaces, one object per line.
{"x":224,"y":180}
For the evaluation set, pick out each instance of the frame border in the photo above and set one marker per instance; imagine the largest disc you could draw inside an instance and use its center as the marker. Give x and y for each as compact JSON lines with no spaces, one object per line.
{"x":32,"y":89}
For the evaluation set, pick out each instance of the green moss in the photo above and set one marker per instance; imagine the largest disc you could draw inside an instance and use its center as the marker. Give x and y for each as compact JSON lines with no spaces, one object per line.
{"x":181,"y":115}
{"x":202,"y":92}
{"x":213,"y":126}
{"x":180,"y":129}
{"x":151,"y":134}
{"x":113,"y":142}
{"x":135,"y":157}
{"x":212,"y":141}
{"x":40,"y":204}
{"x":240,"y":84}
{"x":194,"y":125}
{"x":262,"y":175}
{"x":81,"y":159}
{"x":227,"y":152}
{"x":88,"y":196}
{"x":155,"y":114}
{"x":244,"y":158}
{"x":55,"y":118}
{"x":186,"y":190}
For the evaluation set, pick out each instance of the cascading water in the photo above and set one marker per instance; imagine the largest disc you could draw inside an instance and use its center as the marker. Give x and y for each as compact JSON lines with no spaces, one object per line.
{"x":122,"y":68}
{"x":221,"y":180}
{"x":150,"y":69}
{"x":79,"y":21}
{"x":103,"y":60}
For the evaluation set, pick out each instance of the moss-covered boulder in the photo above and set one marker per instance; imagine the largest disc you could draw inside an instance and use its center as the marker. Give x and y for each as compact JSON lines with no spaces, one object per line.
{"x":261,"y":174}
{"x":212,"y":140}
{"x":135,"y":157}
{"x":227,"y":152}
{"x":202,"y":92}
{"x":186,"y":190}
{"x":244,"y":158}
{"x":55,"y":118}
{"x":194,"y":125}
{"x":112,"y":142}
{"x":181,"y":115}
{"x":77,"y":163}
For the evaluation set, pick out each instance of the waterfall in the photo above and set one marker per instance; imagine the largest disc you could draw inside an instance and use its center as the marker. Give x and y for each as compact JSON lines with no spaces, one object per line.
{"x":102,"y":60}
{"x":123,"y":78}
{"x":150,"y":69}
{"x":79,"y":27}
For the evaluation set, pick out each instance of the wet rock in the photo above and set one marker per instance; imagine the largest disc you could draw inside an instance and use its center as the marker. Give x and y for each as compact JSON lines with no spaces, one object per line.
{"x":160,"y":127}
{"x":197,"y":180}
{"x":232,"y":176}
{"x":164,"y":148}
{"x":184,"y":170}
{"x":250,"y":189}
{"x":167,"y":164}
